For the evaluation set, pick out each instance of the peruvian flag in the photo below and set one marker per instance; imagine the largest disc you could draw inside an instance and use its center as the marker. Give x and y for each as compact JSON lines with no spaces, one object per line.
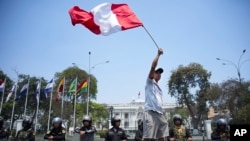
{"x":105,"y":18}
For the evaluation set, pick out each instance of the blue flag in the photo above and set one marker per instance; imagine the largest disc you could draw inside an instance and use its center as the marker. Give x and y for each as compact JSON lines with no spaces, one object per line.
{"x":22,"y":92}
{"x":48,"y":88}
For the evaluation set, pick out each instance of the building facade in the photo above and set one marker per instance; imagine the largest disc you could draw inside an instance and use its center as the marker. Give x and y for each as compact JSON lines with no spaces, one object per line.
{"x":131,"y":112}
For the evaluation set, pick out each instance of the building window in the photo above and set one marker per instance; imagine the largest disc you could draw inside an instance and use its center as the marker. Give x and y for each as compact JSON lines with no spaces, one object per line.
{"x":126,"y":115}
{"x":126,"y":124}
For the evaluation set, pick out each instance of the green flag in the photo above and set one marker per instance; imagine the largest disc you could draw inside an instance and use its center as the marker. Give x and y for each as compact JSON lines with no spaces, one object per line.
{"x":72,"y":87}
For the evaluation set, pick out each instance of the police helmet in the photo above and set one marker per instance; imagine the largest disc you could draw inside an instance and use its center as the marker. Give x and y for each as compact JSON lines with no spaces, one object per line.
{"x":221,"y":122}
{"x":1,"y":121}
{"x":57,"y":120}
{"x":140,"y":124}
{"x":87,"y":118}
{"x":177,"y":117}
{"x":26,"y":123}
{"x":115,"y":119}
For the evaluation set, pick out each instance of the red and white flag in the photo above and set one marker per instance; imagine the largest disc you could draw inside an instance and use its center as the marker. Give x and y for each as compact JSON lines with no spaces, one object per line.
{"x":106,"y":18}
{"x":2,"y":85}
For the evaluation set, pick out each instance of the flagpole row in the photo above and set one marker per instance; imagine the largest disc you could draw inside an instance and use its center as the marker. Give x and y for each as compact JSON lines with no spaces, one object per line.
{"x":150,"y":36}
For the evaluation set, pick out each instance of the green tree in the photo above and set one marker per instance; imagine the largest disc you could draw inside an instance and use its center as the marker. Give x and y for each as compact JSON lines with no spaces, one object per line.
{"x":189,"y":85}
{"x":233,"y":96}
{"x":70,"y":74}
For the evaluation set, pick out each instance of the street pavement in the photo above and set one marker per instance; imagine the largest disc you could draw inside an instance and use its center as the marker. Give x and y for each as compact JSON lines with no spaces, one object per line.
{"x":76,"y":138}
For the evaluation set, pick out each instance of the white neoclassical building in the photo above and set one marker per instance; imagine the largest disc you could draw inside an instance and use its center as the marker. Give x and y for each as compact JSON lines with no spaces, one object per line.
{"x":131,"y":112}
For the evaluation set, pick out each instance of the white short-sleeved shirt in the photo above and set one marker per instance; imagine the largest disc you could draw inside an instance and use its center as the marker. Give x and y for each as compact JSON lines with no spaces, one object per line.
{"x":153,"y":96}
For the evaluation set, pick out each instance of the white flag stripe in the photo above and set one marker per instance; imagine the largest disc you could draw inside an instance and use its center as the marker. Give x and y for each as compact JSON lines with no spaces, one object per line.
{"x":10,"y":93}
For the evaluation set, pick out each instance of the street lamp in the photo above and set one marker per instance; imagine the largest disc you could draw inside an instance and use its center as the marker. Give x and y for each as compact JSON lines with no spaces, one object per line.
{"x":237,"y":66}
{"x":111,"y":108}
{"x":89,"y":75}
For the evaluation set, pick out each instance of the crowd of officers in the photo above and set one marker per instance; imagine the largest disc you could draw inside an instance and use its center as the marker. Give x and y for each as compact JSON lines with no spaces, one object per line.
{"x":87,"y":132}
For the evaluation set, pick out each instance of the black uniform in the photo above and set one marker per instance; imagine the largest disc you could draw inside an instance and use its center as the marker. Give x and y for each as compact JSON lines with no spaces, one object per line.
{"x":57,"y":133}
{"x":89,"y":130}
{"x":115,"y":134}
{"x":221,"y":132}
{"x":25,"y":135}
{"x":4,"y":134}
{"x":138,"y":135}
{"x":139,"y":132}
{"x":220,"y":135}
{"x":89,"y":133}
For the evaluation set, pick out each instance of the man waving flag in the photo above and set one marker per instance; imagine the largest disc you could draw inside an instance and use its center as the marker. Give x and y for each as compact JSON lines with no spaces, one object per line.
{"x":105,"y":18}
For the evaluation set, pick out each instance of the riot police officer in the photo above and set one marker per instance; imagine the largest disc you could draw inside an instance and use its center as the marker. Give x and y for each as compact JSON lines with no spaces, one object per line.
{"x":3,"y":131}
{"x":221,"y":133}
{"x":115,"y":133}
{"x":57,"y":133}
{"x":179,"y":131}
{"x":139,"y":132}
{"x":87,"y":131}
{"x":26,"y":133}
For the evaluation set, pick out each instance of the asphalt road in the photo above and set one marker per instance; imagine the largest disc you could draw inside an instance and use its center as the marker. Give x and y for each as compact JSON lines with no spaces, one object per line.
{"x":76,"y":138}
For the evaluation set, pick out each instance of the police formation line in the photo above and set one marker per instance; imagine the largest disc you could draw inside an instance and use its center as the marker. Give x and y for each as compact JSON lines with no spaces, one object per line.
{"x":178,"y":132}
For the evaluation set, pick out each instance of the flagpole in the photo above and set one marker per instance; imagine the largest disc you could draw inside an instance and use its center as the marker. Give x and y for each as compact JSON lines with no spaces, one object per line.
{"x":38,"y":100}
{"x":150,"y":36}
{"x":74,"y":122}
{"x":62,"y":97}
{"x":50,"y":108}
{"x":87,"y":107}
{"x":13,"y":106}
{"x":2,"y":96}
{"x":26,"y":98}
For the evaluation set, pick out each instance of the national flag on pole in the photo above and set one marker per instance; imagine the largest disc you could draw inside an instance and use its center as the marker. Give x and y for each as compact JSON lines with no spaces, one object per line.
{"x":2,"y":85}
{"x":83,"y":86}
{"x":10,"y":93}
{"x":72,"y":87}
{"x":23,"y":91}
{"x":48,"y":88}
{"x":106,"y":18}
{"x":37,"y":92}
{"x":60,"y":86}
{"x":59,"y":89}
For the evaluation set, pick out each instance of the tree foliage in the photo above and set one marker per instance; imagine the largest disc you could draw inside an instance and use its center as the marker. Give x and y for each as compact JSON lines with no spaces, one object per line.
{"x":234,"y":96}
{"x":97,"y":110}
{"x":189,"y":84}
